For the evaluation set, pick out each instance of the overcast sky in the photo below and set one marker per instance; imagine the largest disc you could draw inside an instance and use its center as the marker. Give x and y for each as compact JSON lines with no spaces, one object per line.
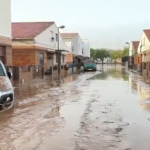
{"x":103,"y":22}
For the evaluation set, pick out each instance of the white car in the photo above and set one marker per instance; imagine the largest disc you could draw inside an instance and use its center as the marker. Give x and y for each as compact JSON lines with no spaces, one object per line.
{"x":6,"y":89}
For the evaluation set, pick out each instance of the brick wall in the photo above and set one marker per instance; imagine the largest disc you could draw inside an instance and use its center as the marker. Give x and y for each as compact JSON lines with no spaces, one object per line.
{"x":8,"y":54}
{"x":26,"y":75}
{"x":23,"y":57}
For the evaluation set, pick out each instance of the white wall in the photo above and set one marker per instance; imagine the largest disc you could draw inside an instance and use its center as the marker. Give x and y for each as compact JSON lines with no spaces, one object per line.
{"x":146,"y":45}
{"x":69,"y":45}
{"x":5,"y":18}
{"x":79,"y":46}
{"x":74,"y":44}
{"x":86,"y":48}
{"x":44,"y":39}
{"x":54,"y":59}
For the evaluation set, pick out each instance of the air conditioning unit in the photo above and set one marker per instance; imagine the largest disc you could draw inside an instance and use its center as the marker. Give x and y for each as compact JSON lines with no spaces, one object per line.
{"x":52,"y":39}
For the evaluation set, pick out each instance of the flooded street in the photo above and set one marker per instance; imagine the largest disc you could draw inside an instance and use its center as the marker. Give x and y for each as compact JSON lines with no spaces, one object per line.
{"x":103,"y":110}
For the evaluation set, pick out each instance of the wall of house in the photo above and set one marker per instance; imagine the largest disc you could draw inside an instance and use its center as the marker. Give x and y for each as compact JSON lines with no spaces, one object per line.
{"x":75,"y":45}
{"x":23,"y":57}
{"x":86,"y":48}
{"x":69,"y":58}
{"x":131,"y":49}
{"x":54,"y":59}
{"x":22,"y":43}
{"x":5,"y":31}
{"x":79,"y":46}
{"x":145,"y":45}
{"x":68,"y":42}
{"x":8,"y":53}
{"x":45,"y":39}
{"x":5,"y":18}
{"x":80,"y":52}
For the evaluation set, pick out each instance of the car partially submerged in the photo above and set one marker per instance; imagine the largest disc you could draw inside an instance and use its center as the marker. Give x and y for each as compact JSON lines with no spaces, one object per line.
{"x":6,"y":88}
{"x":89,"y":65}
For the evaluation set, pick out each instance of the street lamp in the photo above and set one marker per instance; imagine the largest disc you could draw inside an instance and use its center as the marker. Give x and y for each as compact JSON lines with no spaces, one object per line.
{"x":59,"y":51}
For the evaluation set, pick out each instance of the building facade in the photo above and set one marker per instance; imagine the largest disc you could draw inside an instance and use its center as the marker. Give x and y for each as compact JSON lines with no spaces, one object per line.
{"x":35,"y":43}
{"x":5,"y":32}
{"x":86,"y":48}
{"x":74,"y":44}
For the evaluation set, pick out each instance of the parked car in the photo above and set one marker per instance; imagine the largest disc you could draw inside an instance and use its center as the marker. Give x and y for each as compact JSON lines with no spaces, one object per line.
{"x":89,"y":65}
{"x":6,"y":88}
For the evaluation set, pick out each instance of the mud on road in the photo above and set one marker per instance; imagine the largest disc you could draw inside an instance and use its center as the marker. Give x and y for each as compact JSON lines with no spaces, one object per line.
{"x":91,"y":111}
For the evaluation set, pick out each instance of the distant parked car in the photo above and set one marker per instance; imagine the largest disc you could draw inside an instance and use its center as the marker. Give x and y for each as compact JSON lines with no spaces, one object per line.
{"x":6,"y":88}
{"x":89,"y":65}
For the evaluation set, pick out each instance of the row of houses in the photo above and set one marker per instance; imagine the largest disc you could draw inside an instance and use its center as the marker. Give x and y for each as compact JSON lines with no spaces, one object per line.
{"x":139,"y":53}
{"x":25,"y":44}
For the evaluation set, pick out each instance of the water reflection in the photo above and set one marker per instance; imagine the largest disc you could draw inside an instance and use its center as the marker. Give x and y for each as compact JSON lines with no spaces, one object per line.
{"x":28,"y":89}
{"x":109,"y":73}
{"x":143,"y":91}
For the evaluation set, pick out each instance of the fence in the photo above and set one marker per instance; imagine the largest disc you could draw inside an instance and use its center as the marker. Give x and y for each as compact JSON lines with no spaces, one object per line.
{"x":26,"y":72}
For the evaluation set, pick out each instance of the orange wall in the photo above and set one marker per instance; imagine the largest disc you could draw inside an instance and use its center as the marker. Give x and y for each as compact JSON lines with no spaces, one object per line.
{"x":69,"y":58}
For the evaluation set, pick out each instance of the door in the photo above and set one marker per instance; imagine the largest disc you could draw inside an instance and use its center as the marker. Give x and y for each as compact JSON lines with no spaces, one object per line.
{"x":41,"y":59}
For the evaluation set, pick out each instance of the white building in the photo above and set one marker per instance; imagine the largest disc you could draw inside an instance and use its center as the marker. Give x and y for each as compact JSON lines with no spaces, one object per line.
{"x":133,"y":48}
{"x":5,"y":32}
{"x":86,"y":48}
{"x":74,"y":43}
{"x":144,"y":45}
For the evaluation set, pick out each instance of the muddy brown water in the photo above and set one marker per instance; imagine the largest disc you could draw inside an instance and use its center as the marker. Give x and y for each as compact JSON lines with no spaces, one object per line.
{"x":108,"y":110}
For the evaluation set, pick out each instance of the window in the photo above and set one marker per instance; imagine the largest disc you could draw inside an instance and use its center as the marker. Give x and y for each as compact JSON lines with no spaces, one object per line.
{"x":56,"y":37}
{"x":41,"y":59}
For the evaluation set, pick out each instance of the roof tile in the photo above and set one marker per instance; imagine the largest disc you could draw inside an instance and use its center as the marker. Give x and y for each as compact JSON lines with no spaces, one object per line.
{"x":147,"y":32}
{"x":29,"y":29}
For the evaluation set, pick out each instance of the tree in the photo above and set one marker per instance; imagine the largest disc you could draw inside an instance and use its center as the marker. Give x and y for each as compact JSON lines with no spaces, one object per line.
{"x":116,"y":54}
{"x":125,"y":52}
{"x":101,"y":54}
{"x":92,"y":53}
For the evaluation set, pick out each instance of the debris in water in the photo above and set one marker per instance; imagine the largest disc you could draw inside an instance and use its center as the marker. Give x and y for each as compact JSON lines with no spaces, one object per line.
{"x":108,"y":122}
{"x":118,"y":129}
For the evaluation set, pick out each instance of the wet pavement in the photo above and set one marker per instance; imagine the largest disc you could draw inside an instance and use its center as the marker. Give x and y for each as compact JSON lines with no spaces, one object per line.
{"x":103,"y":110}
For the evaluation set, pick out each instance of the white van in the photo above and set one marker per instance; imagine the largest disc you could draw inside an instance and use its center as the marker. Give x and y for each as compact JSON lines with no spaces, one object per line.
{"x":6,"y":89}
